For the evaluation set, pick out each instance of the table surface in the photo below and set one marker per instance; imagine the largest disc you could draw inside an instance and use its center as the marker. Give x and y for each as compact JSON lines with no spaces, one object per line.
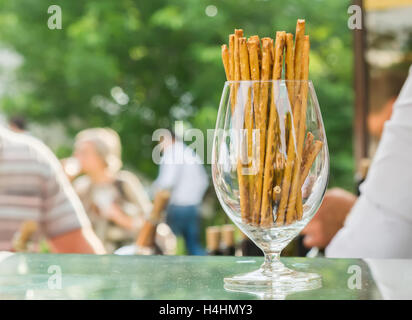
{"x":35,"y":276}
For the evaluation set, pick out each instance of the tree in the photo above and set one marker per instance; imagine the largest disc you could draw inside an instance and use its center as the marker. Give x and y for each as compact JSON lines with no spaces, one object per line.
{"x":138,"y":65}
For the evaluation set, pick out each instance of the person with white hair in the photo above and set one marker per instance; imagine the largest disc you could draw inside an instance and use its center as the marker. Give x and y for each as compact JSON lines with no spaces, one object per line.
{"x":115,"y":200}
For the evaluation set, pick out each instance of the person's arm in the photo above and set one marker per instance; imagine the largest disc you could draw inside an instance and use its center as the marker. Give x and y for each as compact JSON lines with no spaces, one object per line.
{"x":380,"y":223}
{"x":329,"y":219}
{"x":116,"y":214}
{"x":82,"y":240}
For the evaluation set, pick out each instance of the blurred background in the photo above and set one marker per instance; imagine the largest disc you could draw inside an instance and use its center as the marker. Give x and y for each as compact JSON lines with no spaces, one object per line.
{"x":139,"y":65}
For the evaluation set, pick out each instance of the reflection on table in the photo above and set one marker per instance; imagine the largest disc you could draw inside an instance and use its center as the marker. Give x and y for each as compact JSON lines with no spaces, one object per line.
{"x":36,"y":276}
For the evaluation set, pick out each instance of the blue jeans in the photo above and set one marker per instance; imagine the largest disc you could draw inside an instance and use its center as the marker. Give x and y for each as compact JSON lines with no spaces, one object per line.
{"x":184,"y":220}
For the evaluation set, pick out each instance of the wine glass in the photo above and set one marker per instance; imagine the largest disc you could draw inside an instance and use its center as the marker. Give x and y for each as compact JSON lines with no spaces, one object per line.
{"x":270,"y":168}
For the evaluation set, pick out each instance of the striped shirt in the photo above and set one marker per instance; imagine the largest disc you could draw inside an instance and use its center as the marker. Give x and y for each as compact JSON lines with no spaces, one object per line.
{"x":34,"y":187}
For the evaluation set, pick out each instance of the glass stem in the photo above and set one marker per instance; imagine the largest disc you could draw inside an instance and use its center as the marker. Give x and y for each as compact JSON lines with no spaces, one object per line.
{"x":272,"y":263}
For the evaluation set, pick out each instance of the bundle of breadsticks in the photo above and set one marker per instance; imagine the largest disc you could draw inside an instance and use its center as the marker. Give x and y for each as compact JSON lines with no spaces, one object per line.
{"x":272,"y":195}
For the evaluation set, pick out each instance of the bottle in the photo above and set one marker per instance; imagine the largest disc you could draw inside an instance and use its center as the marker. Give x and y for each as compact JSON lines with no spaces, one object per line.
{"x":22,"y":237}
{"x":213,"y":241}
{"x":145,"y":242}
{"x":228,"y":240}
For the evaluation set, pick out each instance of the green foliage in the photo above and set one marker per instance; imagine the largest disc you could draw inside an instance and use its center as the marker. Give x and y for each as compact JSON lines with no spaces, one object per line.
{"x":165,"y":55}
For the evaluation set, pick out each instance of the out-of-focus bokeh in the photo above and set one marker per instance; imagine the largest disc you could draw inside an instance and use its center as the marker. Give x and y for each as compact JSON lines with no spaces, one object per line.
{"x":136,"y":66}
{"x":139,"y":65}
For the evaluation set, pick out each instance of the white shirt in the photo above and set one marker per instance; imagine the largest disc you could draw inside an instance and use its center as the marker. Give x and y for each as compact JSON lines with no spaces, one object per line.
{"x":181,"y":172}
{"x":380,"y":223}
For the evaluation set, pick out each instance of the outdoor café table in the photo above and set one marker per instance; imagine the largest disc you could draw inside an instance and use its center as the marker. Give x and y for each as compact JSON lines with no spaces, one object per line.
{"x":33,"y":276}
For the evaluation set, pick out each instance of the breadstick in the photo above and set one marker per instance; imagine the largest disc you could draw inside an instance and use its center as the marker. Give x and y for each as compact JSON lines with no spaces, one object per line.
{"x":301,"y":121}
{"x":236,"y":65}
{"x":245,"y":75}
{"x":308,"y":160}
{"x":308,"y":145}
{"x":243,"y":190}
{"x":276,"y":193}
{"x":290,"y":68}
{"x":238,"y":34}
{"x":287,"y":176}
{"x":304,"y":93}
{"x":253,"y":48}
{"x":299,"y":39}
{"x":297,"y":58}
{"x":257,"y":39}
{"x":299,"y":205}
{"x":235,"y":75}
{"x":254,"y":38}
{"x":244,"y":194}
{"x":231,"y":56}
{"x":243,"y":179}
{"x":280,"y":167}
{"x":225,"y":59}
{"x":232,"y":70}
{"x":261,"y":123}
{"x":266,"y":210}
{"x":272,"y":51}
{"x":290,"y":76}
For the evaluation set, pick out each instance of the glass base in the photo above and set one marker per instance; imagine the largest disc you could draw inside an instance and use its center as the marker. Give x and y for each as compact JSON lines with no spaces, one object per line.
{"x":273,"y":284}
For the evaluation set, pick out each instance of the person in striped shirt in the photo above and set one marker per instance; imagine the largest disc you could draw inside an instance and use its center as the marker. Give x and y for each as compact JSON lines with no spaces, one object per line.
{"x":33,"y":187}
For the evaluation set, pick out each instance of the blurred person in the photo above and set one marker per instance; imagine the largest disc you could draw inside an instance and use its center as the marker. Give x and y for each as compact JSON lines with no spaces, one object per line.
{"x":18,"y":124}
{"x":115,"y":200}
{"x":378,"y":224}
{"x":33,"y":187}
{"x":329,"y":219}
{"x":182,"y":174}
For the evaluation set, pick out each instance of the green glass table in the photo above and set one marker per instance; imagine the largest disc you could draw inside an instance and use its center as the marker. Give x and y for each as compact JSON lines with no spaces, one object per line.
{"x":69,"y":276}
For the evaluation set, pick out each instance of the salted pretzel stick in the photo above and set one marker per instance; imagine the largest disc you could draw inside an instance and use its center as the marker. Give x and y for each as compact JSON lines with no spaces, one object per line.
{"x":231,"y":56}
{"x":289,"y":75}
{"x":272,"y":51}
{"x":254,"y":38}
{"x":287,"y":177}
{"x":257,"y":39}
{"x":304,"y":91}
{"x":306,"y":150}
{"x":225,"y":59}
{"x":299,"y":39}
{"x":290,"y":68}
{"x":243,"y":181}
{"x":261,"y":122}
{"x":231,"y":70}
{"x":238,"y":34}
{"x":245,"y":75}
{"x":280,"y":168}
{"x":266,"y":210}
{"x":253,"y":49}
{"x":303,"y":96}
{"x":308,"y":145}
{"x":244,"y":203}
{"x":235,"y":64}
{"x":308,"y":160}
